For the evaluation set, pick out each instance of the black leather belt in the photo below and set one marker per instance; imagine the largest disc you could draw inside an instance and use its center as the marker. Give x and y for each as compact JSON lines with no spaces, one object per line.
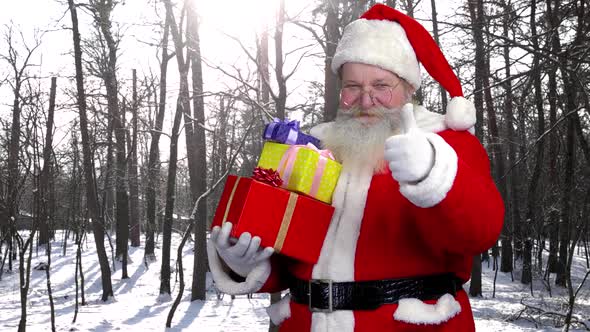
{"x":327,"y":296}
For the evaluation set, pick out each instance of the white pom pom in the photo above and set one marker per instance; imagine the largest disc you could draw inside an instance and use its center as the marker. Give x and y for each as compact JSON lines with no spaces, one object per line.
{"x":460,"y":114}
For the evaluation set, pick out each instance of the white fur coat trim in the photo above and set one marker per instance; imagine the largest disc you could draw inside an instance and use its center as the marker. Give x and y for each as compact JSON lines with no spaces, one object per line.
{"x":434,"y":188}
{"x":337,"y":256}
{"x":415,"y":311}
{"x":223,"y":281}
{"x":279,"y":311}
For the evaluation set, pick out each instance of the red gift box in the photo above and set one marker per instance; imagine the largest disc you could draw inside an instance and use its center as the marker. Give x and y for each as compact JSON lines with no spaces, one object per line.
{"x":294,"y":225}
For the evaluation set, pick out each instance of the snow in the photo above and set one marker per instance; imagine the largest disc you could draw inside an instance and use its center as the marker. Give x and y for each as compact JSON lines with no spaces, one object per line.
{"x":137,"y":305}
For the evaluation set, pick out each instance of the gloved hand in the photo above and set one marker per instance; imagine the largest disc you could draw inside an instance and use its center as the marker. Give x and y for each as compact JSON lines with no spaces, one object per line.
{"x":242,"y":256}
{"x":410,"y":155}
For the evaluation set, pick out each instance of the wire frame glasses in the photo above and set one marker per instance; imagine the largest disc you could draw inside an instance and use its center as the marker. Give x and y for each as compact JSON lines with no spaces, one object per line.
{"x":380,"y":94}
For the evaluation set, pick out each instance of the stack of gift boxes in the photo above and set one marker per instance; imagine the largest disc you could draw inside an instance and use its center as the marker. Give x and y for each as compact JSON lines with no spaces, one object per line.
{"x":287,"y":202}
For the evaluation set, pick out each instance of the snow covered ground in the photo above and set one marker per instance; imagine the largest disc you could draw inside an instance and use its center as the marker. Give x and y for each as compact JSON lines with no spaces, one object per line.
{"x":136,"y":306}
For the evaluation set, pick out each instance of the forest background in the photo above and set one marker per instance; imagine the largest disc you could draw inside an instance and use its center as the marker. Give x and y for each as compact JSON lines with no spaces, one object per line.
{"x":121,"y":118}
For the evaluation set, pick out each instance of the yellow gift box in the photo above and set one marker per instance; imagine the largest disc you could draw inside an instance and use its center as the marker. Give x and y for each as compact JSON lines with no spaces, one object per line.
{"x":303,"y":168}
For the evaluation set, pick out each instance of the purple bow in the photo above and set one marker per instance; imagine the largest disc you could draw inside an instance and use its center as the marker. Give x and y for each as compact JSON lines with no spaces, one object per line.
{"x":293,"y":127}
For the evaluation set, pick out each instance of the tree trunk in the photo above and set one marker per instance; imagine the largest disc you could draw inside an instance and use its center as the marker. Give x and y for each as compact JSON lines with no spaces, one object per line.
{"x":200,"y":266}
{"x":281,"y":99}
{"x":553,"y":228}
{"x":44,"y":193}
{"x":169,"y":210}
{"x":184,"y":96}
{"x":13,"y":170}
{"x":331,"y":89}
{"x":49,"y":291}
{"x":443,"y":93}
{"x":153,"y":161}
{"x":25,"y":277}
{"x":477,"y":22}
{"x":475,"y":284}
{"x":390,"y":3}
{"x":45,"y":172}
{"x":567,"y":203}
{"x":409,"y":6}
{"x":108,"y":194}
{"x":133,"y":180}
{"x":103,"y":19}
{"x":512,"y":177}
{"x":91,"y":198}
{"x":532,"y":216}
{"x":496,"y":146}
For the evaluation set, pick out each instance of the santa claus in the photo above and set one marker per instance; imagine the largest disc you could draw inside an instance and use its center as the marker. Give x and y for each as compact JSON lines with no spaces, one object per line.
{"x":413,"y":204}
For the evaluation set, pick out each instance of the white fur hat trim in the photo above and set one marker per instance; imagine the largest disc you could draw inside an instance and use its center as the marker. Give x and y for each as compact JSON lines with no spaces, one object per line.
{"x":381,"y":43}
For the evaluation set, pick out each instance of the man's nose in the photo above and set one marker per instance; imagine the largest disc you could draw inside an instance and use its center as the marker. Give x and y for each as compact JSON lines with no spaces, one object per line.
{"x":366,"y":100}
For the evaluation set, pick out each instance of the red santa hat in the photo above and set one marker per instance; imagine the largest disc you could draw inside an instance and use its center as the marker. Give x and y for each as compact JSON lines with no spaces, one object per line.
{"x":389,"y":39}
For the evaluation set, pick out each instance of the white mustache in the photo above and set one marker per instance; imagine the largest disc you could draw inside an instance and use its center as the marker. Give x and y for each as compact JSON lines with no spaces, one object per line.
{"x":355,"y":112}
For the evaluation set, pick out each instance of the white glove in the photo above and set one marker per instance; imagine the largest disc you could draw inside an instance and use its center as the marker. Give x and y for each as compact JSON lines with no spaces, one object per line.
{"x":242,"y":256}
{"x":410,"y":155}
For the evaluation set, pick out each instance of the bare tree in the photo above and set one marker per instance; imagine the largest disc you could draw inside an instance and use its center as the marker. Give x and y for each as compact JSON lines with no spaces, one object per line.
{"x":510,"y":184}
{"x":182,"y":106}
{"x":44,"y":191}
{"x":132,"y":171}
{"x":154,"y":154}
{"x":18,"y":65}
{"x":531,"y":215}
{"x":91,"y":195}
{"x":200,"y":265}
{"x":170,"y":197}
{"x":477,"y":27}
{"x":102,"y":10}
{"x":24,"y":269}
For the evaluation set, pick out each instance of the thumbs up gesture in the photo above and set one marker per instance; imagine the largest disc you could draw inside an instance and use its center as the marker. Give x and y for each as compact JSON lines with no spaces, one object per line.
{"x":410,"y":155}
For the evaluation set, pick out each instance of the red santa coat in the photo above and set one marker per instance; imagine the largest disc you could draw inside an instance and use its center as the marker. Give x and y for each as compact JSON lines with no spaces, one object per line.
{"x":382,"y":230}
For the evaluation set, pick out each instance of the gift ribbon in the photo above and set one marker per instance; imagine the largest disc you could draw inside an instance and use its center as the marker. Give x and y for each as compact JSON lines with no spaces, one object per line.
{"x":293,"y":130}
{"x":285,"y":222}
{"x":287,"y":163}
{"x":231,"y":198}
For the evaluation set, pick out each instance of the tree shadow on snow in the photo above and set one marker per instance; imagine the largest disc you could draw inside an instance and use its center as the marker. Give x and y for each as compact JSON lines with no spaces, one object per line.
{"x":191,"y":313}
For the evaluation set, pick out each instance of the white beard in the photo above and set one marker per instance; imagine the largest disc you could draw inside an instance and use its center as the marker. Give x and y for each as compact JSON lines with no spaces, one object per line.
{"x":356,"y":144}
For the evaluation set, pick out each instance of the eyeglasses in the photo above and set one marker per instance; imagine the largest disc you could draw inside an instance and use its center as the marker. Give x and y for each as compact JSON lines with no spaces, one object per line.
{"x":380,"y":94}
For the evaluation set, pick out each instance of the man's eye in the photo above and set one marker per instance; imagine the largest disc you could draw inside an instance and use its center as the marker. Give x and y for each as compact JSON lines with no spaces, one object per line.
{"x":381,"y":86}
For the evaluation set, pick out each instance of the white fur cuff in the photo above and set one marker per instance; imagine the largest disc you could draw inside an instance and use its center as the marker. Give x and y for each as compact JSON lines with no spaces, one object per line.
{"x":417,"y":312}
{"x":223,"y":281}
{"x":434,"y":188}
{"x":278,"y":312}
